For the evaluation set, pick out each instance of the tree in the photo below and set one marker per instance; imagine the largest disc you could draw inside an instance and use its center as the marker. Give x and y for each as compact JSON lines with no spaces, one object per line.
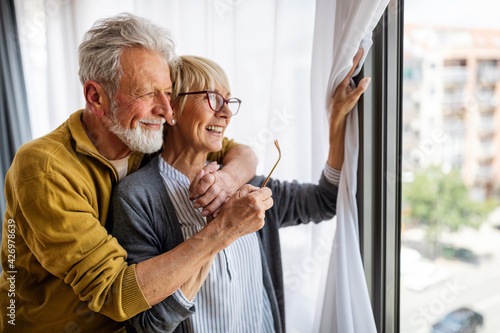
{"x":440,"y":201}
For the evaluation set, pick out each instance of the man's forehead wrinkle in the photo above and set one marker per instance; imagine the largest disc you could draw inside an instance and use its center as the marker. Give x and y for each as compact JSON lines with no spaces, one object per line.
{"x":140,"y":83}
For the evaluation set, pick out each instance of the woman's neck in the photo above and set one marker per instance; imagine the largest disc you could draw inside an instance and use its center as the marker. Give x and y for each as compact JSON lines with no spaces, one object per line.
{"x":182,"y":157}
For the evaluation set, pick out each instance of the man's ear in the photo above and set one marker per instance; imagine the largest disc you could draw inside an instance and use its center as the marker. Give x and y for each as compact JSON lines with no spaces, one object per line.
{"x":96,"y":98}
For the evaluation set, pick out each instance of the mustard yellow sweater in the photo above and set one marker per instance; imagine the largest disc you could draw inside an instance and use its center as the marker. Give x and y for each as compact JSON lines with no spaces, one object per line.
{"x":62,"y":271}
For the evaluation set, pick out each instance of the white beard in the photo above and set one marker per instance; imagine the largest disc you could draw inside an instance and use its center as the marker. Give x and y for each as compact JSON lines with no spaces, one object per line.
{"x":139,"y":139}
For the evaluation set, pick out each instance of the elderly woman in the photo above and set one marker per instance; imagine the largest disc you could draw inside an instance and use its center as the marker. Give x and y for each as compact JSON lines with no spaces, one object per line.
{"x":241,"y":288}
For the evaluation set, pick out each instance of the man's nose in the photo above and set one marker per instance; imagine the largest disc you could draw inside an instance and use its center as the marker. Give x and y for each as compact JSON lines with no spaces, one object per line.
{"x":163,"y":106}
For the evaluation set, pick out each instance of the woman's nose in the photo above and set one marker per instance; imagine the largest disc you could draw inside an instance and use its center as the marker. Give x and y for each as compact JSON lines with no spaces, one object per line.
{"x":225,"y":112}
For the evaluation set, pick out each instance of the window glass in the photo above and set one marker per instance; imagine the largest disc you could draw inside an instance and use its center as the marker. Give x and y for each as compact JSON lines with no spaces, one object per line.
{"x":450,"y":237}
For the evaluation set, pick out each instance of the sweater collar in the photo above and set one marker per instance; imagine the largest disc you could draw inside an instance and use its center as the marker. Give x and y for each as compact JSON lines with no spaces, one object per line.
{"x":78,"y":133}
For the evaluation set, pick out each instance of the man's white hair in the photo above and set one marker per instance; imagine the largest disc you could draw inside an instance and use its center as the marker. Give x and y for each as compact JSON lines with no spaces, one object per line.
{"x":102,"y":46}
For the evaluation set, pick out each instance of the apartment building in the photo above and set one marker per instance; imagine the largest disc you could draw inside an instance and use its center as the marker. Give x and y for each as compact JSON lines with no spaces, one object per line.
{"x":451,"y":104}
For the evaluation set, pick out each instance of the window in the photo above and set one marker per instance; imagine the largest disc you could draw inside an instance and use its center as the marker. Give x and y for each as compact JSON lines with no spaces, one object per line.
{"x":449,"y":225}
{"x":431,"y":120}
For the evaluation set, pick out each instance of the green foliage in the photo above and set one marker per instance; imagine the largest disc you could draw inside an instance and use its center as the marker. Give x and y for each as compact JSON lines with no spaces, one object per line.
{"x":440,"y":200}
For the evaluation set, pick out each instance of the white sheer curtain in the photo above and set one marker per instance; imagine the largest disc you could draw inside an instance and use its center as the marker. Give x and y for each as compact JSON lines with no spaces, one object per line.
{"x":346,"y":305}
{"x":266,"y":47}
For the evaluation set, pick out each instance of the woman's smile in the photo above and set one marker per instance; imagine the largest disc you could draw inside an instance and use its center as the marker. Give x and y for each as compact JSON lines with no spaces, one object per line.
{"x":215,"y":130}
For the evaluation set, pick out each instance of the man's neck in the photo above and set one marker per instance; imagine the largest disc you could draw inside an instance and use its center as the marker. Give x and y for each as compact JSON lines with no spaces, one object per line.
{"x":106,"y":143}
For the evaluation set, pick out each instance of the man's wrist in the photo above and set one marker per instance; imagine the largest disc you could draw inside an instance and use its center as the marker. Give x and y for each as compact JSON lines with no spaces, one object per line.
{"x":214,"y":235}
{"x":229,"y":180}
{"x":182,"y":299}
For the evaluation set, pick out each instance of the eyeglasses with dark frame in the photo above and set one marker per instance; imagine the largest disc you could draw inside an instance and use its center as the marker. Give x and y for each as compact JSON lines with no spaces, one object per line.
{"x":216,"y":101}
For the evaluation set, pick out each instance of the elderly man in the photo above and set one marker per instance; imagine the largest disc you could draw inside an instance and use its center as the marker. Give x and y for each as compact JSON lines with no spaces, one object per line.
{"x":62,"y":271}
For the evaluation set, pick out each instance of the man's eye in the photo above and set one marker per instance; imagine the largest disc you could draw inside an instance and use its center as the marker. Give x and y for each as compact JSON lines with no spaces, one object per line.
{"x":148,"y":95}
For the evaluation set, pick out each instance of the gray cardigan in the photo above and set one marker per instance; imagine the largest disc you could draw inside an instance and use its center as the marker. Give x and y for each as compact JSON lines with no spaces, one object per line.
{"x":143,"y":219}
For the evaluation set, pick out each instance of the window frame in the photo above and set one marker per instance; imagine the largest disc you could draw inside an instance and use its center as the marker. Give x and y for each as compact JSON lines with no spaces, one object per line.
{"x":379,"y":168}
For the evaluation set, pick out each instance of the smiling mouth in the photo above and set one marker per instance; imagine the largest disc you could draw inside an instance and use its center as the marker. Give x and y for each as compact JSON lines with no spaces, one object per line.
{"x":214,"y":129}
{"x":152,"y":124}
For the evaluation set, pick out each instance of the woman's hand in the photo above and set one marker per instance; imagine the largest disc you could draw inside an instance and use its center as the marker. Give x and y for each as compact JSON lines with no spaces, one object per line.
{"x":344,"y":100}
{"x":345,"y":97}
{"x":211,"y":188}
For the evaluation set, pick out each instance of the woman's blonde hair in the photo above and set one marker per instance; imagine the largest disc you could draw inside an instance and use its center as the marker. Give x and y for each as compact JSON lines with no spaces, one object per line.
{"x":192,"y":73}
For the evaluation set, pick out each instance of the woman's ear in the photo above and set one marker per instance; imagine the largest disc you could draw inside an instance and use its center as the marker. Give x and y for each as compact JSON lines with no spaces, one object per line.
{"x":96,"y":98}
{"x":173,"y":119}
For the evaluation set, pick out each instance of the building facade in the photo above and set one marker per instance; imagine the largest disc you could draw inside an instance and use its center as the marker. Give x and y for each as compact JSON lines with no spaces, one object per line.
{"x":451,"y":105}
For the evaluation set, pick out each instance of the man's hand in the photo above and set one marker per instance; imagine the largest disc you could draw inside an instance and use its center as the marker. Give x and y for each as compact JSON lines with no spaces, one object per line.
{"x":188,"y":264}
{"x":211,"y":188}
{"x":242,"y":215}
{"x":244,"y":212}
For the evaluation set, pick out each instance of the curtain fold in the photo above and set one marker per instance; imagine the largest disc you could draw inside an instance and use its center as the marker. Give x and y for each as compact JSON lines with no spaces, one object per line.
{"x":346,"y":305}
{"x":14,"y":116}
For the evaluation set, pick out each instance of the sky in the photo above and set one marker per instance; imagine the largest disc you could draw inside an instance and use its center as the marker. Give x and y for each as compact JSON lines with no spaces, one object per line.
{"x":484,"y":14}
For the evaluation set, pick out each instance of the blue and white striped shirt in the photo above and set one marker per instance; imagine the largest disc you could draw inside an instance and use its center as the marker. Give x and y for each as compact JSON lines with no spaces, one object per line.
{"x":233,"y":297}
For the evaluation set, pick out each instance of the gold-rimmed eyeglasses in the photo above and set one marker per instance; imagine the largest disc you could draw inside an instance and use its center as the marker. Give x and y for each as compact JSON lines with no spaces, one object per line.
{"x":279,"y":158}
